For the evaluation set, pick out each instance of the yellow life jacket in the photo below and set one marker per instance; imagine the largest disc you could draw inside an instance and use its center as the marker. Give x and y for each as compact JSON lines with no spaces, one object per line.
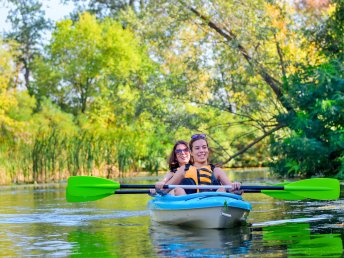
{"x":201,"y":176}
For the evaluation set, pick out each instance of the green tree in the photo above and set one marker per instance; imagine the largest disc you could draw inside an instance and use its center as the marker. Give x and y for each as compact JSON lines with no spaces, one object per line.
{"x":85,"y":57}
{"x":28,"y":27}
{"x":109,"y":8}
{"x":8,"y":78}
{"x":243,"y":59}
{"x":315,"y":143}
{"x":330,"y":35}
{"x":233,"y":72}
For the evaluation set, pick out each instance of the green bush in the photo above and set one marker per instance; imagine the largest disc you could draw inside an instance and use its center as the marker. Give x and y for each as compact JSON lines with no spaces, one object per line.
{"x":315,"y":145}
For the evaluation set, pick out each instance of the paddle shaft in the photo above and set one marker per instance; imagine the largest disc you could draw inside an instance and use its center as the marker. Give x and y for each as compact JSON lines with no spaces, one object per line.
{"x":205,"y":187}
{"x":247,"y":190}
{"x":148,"y":191}
{"x":243,"y":187}
{"x":132,"y":192}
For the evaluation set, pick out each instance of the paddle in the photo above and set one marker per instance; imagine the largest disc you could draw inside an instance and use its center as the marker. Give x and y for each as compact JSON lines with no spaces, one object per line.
{"x":88,"y":188}
{"x":87,"y":198}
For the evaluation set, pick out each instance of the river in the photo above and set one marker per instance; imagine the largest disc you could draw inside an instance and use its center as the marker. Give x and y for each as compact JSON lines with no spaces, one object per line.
{"x":37,"y":221}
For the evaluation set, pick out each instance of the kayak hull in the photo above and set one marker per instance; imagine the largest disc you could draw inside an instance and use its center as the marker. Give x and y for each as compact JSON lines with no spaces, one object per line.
{"x":200,"y":210}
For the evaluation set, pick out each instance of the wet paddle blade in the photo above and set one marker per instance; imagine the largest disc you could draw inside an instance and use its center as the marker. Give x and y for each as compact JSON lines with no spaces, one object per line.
{"x":315,"y":188}
{"x":89,"y":188}
{"x":72,"y":198}
{"x":283,"y":195}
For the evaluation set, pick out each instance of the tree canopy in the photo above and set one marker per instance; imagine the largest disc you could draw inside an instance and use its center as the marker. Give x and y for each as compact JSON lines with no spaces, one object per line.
{"x":119,"y":81}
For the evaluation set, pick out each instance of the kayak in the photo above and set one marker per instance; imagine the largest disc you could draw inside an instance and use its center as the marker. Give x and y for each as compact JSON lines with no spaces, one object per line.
{"x":200,"y":210}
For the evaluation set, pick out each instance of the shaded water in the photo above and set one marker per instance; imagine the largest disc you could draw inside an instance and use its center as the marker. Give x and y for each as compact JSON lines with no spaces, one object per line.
{"x":36,"y":221}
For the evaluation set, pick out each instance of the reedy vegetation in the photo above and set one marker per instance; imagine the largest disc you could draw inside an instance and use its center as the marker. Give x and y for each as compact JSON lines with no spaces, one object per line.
{"x":110,"y":95}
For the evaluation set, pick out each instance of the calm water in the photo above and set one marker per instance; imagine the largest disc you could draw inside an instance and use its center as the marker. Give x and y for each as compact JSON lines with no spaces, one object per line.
{"x":36,"y":221}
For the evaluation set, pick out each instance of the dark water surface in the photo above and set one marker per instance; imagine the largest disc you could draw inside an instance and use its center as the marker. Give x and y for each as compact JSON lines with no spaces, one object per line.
{"x":36,"y":221}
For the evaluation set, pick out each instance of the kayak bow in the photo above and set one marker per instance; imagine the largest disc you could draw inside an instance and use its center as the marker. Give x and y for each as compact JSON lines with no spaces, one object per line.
{"x":200,"y":210}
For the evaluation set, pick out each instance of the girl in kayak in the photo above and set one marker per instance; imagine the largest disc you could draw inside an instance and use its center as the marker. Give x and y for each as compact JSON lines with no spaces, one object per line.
{"x":201,"y":172}
{"x":180,"y":156}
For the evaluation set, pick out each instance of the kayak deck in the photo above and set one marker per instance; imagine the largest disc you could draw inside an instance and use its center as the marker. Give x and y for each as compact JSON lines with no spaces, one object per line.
{"x":201,"y":210}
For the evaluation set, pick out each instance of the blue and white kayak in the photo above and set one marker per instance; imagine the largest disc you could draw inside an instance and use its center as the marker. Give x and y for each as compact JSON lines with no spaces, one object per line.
{"x":201,"y":210}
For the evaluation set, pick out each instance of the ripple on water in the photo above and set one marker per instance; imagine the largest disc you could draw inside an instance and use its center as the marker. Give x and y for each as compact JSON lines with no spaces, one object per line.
{"x":298,"y":220}
{"x":62,"y":218}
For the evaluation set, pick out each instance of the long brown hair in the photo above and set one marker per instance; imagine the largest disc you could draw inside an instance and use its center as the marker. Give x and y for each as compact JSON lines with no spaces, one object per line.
{"x":172,"y":160}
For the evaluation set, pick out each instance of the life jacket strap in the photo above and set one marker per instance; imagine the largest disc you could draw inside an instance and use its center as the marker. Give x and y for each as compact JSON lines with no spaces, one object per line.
{"x":187,"y":166}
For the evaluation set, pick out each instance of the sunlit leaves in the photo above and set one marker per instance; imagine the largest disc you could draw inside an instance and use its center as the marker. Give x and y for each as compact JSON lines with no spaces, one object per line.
{"x":51,"y":117}
{"x":86,"y":54}
{"x":8,"y":99}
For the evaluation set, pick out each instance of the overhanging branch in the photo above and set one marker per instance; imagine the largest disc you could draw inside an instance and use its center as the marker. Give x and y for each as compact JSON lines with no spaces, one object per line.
{"x":254,"y":142}
{"x":229,"y":35}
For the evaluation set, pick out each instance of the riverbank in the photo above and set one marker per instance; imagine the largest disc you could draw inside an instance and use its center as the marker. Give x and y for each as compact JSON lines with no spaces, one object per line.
{"x":130,"y":176}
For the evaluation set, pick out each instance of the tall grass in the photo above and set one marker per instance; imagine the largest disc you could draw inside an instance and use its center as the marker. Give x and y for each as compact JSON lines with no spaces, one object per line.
{"x":52,"y":156}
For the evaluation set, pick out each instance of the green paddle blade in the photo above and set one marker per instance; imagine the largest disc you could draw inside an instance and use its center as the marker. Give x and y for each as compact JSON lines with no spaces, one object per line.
{"x":283,"y":195}
{"x":71,"y":198}
{"x":315,"y":188}
{"x":89,"y":188}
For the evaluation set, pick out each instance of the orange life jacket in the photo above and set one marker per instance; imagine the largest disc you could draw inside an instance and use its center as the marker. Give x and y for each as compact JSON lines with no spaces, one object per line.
{"x":201,"y":176}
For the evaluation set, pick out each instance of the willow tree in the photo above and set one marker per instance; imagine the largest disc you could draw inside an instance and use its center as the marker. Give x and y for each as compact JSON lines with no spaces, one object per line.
{"x":238,"y":58}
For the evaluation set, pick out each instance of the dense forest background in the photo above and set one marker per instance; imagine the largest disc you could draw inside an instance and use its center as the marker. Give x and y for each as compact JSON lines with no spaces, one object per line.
{"x":108,"y":90}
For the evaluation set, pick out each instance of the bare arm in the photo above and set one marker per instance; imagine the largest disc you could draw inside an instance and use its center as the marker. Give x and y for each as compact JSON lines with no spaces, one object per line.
{"x":177,"y":177}
{"x":221,"y":175}
{"x":167,"y":177}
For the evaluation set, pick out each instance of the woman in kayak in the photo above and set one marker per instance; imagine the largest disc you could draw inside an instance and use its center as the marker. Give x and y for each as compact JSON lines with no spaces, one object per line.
{"x":201,"y":172}
{"x":180,"y":156}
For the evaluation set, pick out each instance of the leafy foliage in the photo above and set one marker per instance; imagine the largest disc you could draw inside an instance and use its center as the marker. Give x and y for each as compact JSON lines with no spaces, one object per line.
{"x":316,"y":141}
{"x":28,"y":27}
{"x":116,"y":85}
{"x":85,"y":57}
{"x":330,"y":36}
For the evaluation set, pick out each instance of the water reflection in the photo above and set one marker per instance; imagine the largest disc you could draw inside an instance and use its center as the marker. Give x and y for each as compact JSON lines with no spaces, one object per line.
{"x":86,"y":244}
{"x":37,"y":221}
{"x":299,"y":240}
{"x":172,"y":241}
{"x":285,"y":240}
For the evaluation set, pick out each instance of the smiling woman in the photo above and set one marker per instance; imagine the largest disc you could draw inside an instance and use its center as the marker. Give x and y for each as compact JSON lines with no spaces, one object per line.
{"x":180,"y":156}
{"x":201,"y":172}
